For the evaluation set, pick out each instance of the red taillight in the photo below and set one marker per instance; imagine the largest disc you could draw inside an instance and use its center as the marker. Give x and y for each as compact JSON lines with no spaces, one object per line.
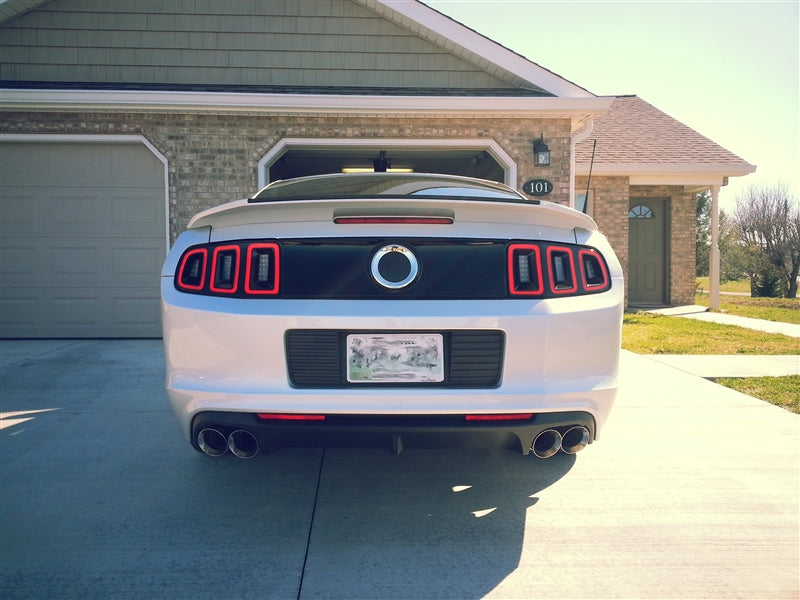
{"x":220,"y":269}
{"x":524,"y":270}
{"x":225,"y":269}
{"x":393,"y":220}
{"x":529,"y":265}
{"x":561,"y":267}
{"x":289,"y":417}
{"x":506,"y":417}
{"x":594,"y":273}
{"x":263,"y":269}
{"x":192,"y":270}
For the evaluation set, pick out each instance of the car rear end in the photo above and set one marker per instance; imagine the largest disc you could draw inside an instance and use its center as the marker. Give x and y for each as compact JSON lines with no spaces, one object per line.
{"x":425,"y":316}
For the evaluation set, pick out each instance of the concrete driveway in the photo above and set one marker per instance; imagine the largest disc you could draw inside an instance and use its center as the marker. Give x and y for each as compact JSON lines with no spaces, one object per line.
{"x":692,"y":491}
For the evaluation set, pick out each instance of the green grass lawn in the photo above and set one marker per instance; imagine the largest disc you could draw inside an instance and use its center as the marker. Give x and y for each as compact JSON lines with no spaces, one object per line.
{"x":785,"y":310}
{"x":741,"y":286}
{"x":780,"y":391}
{"x":645,"y":333}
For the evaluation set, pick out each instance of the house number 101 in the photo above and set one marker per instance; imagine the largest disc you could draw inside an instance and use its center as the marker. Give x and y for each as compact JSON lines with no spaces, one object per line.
{"x":537,"y":187}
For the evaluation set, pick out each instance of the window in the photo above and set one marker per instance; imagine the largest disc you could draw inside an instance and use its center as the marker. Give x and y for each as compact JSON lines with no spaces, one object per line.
{"x":388,"y":185}
{"x":584,"y":203}
{"x":640,"y":211}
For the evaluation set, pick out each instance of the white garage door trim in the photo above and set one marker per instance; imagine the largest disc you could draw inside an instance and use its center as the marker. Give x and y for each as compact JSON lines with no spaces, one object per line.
{"x":490,"y":146}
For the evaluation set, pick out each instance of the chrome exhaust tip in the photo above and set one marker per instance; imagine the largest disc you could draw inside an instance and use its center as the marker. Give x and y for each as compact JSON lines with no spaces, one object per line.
{"x":243,"y":444}
{"x":575,"y":439}
{"x":547,"y":443}
{"x":212,"y":442}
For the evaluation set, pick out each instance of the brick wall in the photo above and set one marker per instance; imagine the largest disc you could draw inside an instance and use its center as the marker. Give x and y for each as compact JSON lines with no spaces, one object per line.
{"x":610,"y":197}
{"x":609,"y":208}
{"x":683,"y":268}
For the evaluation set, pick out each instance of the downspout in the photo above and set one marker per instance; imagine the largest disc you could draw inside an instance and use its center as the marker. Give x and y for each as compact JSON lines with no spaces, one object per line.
{"x":578,"y":137}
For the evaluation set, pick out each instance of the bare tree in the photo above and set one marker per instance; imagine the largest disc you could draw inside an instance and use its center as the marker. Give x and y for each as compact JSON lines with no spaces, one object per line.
{"x":733,"y":265}
{"x":768,"y":219}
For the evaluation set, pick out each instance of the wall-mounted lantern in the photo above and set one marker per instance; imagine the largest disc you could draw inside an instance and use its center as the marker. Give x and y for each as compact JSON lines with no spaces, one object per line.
{"x":541,"y":153}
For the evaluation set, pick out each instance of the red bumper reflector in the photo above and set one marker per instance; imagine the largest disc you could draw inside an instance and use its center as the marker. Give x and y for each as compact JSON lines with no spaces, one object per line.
{"x":393,"y":220}
{"x":288,"y":417}
{"x":508,"y":417}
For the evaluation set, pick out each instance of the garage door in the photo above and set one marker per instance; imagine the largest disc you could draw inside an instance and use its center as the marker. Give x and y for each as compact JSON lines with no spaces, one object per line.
{"x":82,"y":239}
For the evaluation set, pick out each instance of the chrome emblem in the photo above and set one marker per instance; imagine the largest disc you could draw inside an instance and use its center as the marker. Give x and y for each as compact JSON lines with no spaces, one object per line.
{"x":394,"y":267}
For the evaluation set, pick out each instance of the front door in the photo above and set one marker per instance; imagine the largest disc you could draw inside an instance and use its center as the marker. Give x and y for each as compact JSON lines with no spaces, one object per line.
{"x":647,"y":258}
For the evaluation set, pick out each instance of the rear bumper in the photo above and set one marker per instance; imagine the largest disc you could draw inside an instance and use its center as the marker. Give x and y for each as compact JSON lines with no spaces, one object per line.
{"x":392,"y":433}
{"x":229,"y":357}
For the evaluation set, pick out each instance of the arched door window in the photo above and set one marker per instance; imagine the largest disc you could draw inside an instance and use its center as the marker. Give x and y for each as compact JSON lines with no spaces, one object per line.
{"x":640,"y":211}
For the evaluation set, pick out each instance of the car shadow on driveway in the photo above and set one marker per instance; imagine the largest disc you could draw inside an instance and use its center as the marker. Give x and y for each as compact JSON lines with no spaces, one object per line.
{"x":425,"y":524}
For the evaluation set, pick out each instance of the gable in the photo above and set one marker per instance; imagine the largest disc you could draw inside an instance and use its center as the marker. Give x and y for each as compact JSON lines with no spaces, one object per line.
{"x":328,"y":45}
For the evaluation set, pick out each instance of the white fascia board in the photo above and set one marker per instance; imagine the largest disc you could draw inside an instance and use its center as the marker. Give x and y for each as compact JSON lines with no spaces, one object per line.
{"x":482,"y":46}
{"x":35,"y":99}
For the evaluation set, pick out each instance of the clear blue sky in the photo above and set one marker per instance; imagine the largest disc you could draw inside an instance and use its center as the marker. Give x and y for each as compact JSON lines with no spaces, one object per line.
{"x":729,"y":70}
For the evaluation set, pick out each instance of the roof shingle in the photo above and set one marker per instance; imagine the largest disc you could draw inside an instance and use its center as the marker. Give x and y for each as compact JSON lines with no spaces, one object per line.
{"x":636,"y":132}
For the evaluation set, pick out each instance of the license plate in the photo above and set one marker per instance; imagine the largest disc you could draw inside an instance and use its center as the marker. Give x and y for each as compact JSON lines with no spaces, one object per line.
{"x":395,"y":358}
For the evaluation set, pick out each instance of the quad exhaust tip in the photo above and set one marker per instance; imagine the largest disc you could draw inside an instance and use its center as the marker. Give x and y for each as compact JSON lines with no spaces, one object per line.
{"x":550,"y":441}
{"x":547,"y":443}
{"x":241,"y":443}
{"x":212,"y":442}
{"x":575,"y":439}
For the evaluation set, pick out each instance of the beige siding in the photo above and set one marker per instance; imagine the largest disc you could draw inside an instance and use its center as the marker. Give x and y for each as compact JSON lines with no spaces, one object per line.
{"x":260,"y":42}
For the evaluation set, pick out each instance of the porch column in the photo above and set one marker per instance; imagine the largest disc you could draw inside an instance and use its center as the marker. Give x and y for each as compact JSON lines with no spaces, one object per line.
{"x":713,"y":267}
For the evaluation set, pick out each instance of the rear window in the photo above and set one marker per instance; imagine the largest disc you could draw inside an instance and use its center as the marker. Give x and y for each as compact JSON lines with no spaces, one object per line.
{"x":387,"y":185}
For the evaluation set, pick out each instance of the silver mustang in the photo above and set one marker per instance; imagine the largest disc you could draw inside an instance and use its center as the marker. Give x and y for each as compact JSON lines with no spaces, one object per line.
{"x":391,"y":310}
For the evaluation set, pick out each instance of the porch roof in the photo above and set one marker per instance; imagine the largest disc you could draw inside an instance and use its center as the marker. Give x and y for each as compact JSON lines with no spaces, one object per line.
{"x":636,"y":139}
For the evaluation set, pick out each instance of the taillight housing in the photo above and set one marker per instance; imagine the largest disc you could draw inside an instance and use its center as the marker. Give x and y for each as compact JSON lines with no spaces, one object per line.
{"x":594,"y":271}
{"x":525,"y":270}
{"x":561,"y":270}
{"x":547,"y":270}
{"x":263,"y":270}
{"x":236,"y":269}
{"x":225,"y":269}
{"x":191,"y":276}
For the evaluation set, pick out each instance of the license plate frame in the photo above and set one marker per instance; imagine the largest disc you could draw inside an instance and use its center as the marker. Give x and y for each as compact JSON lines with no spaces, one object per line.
{"x":395,"y":358}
